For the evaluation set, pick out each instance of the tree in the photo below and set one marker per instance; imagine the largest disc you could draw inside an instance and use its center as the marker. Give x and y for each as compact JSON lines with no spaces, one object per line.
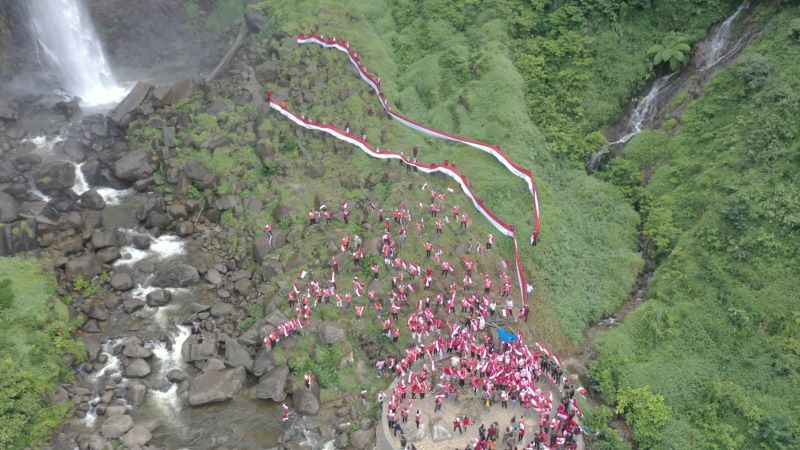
{"x":646,"y":412}
{"x":673,"y":51}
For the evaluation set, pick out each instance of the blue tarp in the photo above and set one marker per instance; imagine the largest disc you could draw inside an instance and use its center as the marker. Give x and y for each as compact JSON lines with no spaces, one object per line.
{"x":506,"y":336}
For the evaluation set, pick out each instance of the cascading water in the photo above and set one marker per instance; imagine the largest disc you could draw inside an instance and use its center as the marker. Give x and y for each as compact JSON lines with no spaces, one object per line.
{"x":81,"y":185}
{"x":645,"y":110}
{"x":719,"y":41}
{"x":70,"y":44}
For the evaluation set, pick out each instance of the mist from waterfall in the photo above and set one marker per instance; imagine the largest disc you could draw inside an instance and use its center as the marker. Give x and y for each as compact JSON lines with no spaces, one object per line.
{"x":66,"y":36}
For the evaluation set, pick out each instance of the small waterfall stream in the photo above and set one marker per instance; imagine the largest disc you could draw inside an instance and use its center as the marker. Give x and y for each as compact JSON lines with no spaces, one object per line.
{"x":720,"y":40}
{"x":67,"y":38}
{"x":718,"y":47}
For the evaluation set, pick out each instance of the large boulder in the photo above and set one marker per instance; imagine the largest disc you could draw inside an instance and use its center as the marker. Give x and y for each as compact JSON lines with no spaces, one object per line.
{"x":68,"y":108}
{"x":121,"y":281}
{"x":159,"y":297}
{"x":261,"y":248}
{"x":361,"y":439}
{"x":92,"y":200}
{"x":138,"y":436}
{"x":116,"y":426}
{"x":8,"y":208}
{"x":263,"y":362}
{"x":85,"y":266}
{"x":306,"y":401}
{"x":216,"y":386}
{"x":137,"y":368}
{"x":104,"y":238}
{"x":123,"y":113}
{"x":7,"y":171}
{"x":192,"y":351}
{"x":439,"y":430}
{"x":133,"y":166}
{"x":178,"y":91}
{"x":8,"y":110}
{"x":236,"y":355}
{"x":136,"y":393}
{"x":54,"y":177}
{"x":254,"y":19}
{"x":179,"y":275}
{"x":18,"y":237}
{"x":272,"y":385}
{"x":330,"y":333}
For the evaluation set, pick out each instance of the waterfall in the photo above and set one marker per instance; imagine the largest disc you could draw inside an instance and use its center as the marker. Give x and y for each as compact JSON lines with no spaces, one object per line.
{"x":81,"y":185}
{"x":645,"y":110}
{"x":68,"y":40}
{"x":719,"y":41}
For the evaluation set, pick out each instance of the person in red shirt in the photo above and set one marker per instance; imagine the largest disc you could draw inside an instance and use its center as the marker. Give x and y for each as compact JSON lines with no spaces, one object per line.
{"x":464,"y":219}
{"x":312,"y":218}
{"x":327,"y":215}
{"x":268,"y":230}
{"x":346,"y":215}
{"x":438,"y":226}
{"x":489,"y":242}
{"x":428,"y":249}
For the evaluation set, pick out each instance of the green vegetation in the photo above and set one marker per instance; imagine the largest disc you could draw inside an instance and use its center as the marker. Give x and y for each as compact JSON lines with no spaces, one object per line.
{"x":718,"y":341}
{"x":673,"y":51}
{"x":35,"y":340}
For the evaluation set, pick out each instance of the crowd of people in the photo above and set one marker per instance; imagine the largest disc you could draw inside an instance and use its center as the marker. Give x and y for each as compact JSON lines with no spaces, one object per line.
{"x":452,"y":348}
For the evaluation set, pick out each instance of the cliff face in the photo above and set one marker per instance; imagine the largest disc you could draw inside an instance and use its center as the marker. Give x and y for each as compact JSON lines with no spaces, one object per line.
{"x":174,"y":38}
{"x":145,"y":39}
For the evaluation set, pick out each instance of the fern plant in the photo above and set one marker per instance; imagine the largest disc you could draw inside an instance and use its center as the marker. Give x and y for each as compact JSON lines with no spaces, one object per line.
{"x":673,"y":51}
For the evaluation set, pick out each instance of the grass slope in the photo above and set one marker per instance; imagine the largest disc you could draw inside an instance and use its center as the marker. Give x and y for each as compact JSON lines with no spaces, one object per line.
{"x":34,"y":338}
{"x":455,"y":72}
{"x":719,"y":337}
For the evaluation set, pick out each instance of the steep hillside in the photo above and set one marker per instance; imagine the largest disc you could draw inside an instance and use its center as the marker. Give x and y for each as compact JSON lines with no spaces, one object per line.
{"x":718,"y":335}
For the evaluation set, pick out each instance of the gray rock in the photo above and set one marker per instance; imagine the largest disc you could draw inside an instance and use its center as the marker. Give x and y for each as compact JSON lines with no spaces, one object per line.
{"x":306,"y":401}
{"x":272,"y":385}
{"x":123,"y":113}
{"x":192,"y":351}
{"x":195,"y":170}
{"x":18,"y":237}
{"x":178,"y":91}
{"x":108,"y":255}
{"x":136,"y":393}
{"x":92,"y":200}
{"x":242,"y":287}
{"x":176,"y":375}
{"x":361,"y":439}
{"x":104,"y":238}
{"x":330,"y":333}
{"x":115,"y":410}
{"x":131,"y":305}
{"x":121,"y":281}
{"x":264,"y":361}
{"x":418,"y":434}
{"x":73,"y":149}
{"x":254,"y":19}
{"x":54,"y":177}
{"x":59,"y":396}
{"x":85,"y":266}
{"x":222,"y":310}
{"x":138,"y":436}
{"x":226,"y":202}
{"x":216,"y":386}
{"x":184,"y":228}
{"x":214,"y":277}
{"x":7,"y":171}
{"x":135,"y":350}
{"x":137,"y":368}
{"x":179,"y":275}
{"x":159,"y":297}
{"x":8,"y":208}
{"x":237,"y":355}
{"x":133,"y":166}
{"x":98,"y":312}
{"x":68,"y":108}
{"x":116,"y":426}
{"x":93,"y":346}
{"x":440,"y":431}
{"x":8,"y":109}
